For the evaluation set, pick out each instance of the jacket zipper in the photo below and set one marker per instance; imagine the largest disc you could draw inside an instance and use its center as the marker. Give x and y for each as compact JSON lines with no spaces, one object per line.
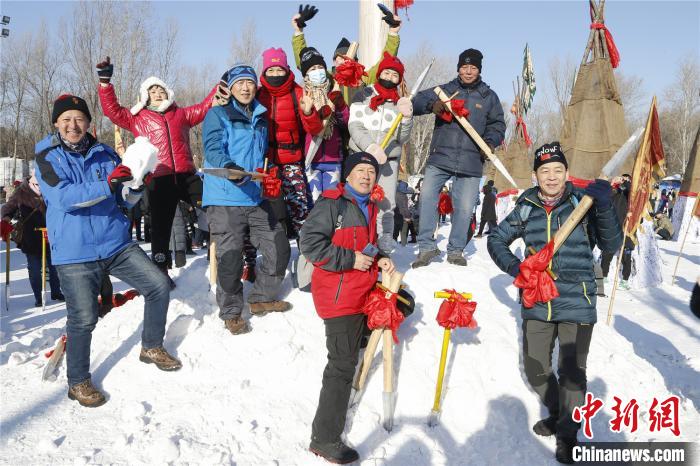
{"x":170,"y":144}
{"x":549,"y":237}
{"x":340,"y":284}
{"x":585,"y":292}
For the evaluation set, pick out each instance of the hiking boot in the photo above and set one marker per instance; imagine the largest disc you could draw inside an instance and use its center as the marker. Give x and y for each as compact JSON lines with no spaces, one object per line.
{"x":237,"y":325}
{"x":86,"y":394}
{"x":457,"y":259}
{"x":424,"y":258}
{"x":57,"y":297}
{"x":248,"y":274}
{"x":564,"y":449}
{"x":623,"y":285}
{"x":546,"y":427}
{"x":334,"y":452}
{"x":160,"y":358}
{"x":259,"y":309}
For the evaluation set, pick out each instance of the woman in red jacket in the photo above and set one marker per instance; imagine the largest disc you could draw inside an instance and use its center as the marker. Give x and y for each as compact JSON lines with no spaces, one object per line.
{"x":167,"y":126}
{"x":291,"y":116}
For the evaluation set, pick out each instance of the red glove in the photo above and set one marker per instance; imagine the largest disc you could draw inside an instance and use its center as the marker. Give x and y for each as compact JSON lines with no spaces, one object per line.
{"x":271,"y":184}
{"x":120,"y":174}
{"x":5,"y":229}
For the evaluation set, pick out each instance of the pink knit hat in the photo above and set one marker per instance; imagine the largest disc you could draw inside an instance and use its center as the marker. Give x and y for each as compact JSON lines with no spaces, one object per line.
{"x":274,"y":57}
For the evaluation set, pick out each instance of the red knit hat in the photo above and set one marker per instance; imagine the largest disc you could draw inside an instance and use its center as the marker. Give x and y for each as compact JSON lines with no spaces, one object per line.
{"x":390,"y":62}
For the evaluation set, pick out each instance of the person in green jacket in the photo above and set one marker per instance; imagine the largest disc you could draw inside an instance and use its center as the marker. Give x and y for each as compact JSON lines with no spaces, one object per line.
{"x":299,"y":42}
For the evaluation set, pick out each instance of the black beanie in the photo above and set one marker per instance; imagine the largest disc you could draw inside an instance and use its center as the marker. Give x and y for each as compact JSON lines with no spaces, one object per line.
{"x":342,"y":48}
{"x":67,"y":102}
{"x":470,"y":57}
{"x":549,"y":153}
{"x":357,"y":158}
{"x":309,"y":57}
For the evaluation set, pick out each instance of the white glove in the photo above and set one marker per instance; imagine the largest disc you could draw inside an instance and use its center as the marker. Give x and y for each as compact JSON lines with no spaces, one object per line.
{"x":377,"y":152}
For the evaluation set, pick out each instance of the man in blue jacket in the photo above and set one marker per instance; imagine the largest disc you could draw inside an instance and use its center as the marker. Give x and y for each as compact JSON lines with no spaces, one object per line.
{"x":235,"y":136}
{"x":538,"y":214}
{"x":454,"y":154}
{"x":80,"y":179}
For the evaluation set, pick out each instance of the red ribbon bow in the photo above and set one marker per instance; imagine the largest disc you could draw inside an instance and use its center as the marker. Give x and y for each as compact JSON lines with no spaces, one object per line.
{"x":456,"y":311}
{"x":533,"y":279}
{"x":349,"y":73}
{"x":377,"y":194}
{"x":271,"y":184}
{"x":612,"y":48}
{"x":382,"y":312}
{"x":521,"y":123}
{"x":458,"y":108}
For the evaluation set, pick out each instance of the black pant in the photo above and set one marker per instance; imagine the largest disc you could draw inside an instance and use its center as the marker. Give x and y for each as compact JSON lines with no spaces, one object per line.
{"x":343,"y":335}
{"x":163,"y":198}
{"x":562,"y":395}
{"x":607,"y":257}
{"x":492,"y":225}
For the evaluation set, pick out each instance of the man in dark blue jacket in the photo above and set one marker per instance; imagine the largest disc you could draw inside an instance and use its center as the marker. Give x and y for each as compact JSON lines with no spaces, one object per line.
{"x":453,"y":153}
{"x":235,"y":136}
{"x":81,"y":180}
{"x":538,"y":214}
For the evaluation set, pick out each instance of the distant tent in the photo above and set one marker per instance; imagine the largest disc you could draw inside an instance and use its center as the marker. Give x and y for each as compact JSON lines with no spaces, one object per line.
{"x":594,"y":124}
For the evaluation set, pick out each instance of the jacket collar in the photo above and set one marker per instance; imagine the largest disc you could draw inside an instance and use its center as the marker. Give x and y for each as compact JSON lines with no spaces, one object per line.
{"x":482,"y":88}
{"x":235,"y":111}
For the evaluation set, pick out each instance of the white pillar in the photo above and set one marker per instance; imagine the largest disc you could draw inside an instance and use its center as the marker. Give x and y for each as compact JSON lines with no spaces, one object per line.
{"x":373,"y":31}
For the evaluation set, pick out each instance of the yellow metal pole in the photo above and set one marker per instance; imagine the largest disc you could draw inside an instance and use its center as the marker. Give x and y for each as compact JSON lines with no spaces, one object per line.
{"x":446,"y":295}
{"x":392,"y":130}
{"x":441,"y":370}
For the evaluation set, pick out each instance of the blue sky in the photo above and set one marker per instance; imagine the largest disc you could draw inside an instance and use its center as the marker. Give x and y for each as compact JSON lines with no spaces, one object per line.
{"x":652,"y":36}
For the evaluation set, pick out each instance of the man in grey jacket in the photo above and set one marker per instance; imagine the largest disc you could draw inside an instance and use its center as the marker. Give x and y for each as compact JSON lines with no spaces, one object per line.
{"x":454,"y":154}
{"x":372,"y":114}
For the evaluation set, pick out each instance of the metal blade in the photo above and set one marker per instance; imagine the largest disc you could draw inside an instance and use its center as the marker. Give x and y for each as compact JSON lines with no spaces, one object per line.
{"x":616,"y":161}
{"x":421,"y":78}
{"x":313,"y":148}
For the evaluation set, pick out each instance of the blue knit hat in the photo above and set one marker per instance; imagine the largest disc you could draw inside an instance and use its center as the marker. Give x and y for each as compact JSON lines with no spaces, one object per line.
{"x":239,"y":72}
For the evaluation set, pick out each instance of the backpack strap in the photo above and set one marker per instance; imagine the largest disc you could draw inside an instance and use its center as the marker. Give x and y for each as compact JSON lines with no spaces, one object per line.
{"x":341,"y":212}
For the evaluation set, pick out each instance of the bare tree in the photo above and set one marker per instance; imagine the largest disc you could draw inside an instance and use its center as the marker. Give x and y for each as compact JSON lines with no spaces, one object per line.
{"x":18,"y":85}
{"x":166,"y":55}
{"x":634,"y":99}
{"x":246,"y":47}
{"x":562,"y":75}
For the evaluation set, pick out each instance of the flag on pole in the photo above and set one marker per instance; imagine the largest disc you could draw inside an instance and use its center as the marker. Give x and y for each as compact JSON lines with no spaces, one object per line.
{"x":529,"y":86}
{"x":649,"y":161}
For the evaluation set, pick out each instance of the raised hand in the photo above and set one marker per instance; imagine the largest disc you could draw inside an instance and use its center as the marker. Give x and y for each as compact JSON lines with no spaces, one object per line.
{"x":306,"y":12}
{"x":105,"y":69}
{"x":306,"y":103}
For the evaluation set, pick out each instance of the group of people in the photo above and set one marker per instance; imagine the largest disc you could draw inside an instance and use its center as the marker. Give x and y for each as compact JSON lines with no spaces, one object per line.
{"x":309,"y":162}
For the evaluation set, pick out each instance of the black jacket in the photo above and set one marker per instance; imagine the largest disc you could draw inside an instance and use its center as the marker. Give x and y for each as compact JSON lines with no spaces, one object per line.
{"x":29,"y":208}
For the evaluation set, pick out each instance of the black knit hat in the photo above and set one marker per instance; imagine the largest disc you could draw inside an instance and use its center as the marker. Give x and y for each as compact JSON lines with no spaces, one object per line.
{"x":357,"y":158}
{"x":67,"y":102}
{"x":342,"y":48}
{"x":470,"y":57}
{"x":549,"y":153}
{"x":309,"y":57}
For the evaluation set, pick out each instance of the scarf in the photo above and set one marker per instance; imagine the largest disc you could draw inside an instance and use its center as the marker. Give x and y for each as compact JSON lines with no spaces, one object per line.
{"x":81,"y":146}
{"x":550,"y":202}
{"x":383,"y":95}
{"x":361,"y":199}
{"x":279,"y":91}
{"x":319,"y":96}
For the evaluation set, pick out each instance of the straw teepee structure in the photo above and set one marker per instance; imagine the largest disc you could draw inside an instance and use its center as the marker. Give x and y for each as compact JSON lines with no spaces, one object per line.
{"x":594,"y":124}
{"x":688,"y":194}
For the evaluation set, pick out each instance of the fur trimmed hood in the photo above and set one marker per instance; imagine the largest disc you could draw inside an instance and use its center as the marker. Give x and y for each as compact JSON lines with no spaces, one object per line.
{"x":143,"y":95}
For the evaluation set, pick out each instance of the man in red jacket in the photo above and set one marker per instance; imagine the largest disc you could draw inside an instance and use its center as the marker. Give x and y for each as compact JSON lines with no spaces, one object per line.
{"x":167,"y":126}
{"x":338,"y":237}
{"x":291,"y":115}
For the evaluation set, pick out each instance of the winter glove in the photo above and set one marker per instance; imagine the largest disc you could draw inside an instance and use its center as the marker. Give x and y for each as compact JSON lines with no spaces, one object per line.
{"x":241,"y":181}
{"x":601,"y":192}
{"x":405,"y":106}
{"x":377,"y":152}
{"x":5,"y":229}
{"x":440,"y":108}
{"x":306,"y":12}
{"x":514,"y":270}
{"x":105,"y":70}
{"x":195,"y":188}
{"x":388,"y":16}
{"x":222,"y":96}
{"x":120,"y":174}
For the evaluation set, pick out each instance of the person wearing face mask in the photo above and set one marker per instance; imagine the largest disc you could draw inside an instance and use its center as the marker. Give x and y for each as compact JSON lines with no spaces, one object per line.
{"x":569,"y":318}
{"x":372,"y":114}
{"x":291,"y":116}
{"x":620,"y":199}
{"x":453,"y":153}
{"x":235,"y":136}
{"x":167,"y":126}
{"x":27,"y":205}
{"x":324,"y":172}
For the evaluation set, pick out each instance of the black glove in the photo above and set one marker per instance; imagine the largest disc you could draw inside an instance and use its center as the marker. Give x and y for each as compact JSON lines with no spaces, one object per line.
{"x":105,"y":70}
{"x":601,"y":192}
{"x":388,"y":16}
{"x":307,"y":12}
{"x":195,"y":188}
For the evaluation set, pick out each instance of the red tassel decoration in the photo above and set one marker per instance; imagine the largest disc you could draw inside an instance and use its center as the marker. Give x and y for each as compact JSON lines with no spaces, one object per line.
{"x":382,"y":312}
{"x":533,"y":279}
{"x":456,"y":311}
{"x":350,"y":73}
{"x":612,"y":48}
{"x":377,"y":194}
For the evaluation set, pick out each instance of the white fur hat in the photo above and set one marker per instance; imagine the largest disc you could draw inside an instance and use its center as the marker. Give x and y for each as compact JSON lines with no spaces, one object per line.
{"x":143,"y":95}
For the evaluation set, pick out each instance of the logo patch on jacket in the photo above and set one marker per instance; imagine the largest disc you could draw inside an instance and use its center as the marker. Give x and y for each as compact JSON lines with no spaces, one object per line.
{"x":477,"y":105}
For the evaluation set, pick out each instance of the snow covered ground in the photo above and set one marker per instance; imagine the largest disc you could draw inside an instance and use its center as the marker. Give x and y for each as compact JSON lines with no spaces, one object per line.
{"x":250,"y":399}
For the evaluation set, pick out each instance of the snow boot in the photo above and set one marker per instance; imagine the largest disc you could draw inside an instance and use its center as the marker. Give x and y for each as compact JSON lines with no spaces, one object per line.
{"x":248,"y":274}
{"x":457,"y":259}
{"x":86,"y":394}
{"x":623,"y":285}
{"x":546,"y":427}
{"x":57,"y":297}
{"x":334,"y":452}
{"x":260,"y":309}
{"x":564,"y":449}
{"x":161,"y":358}
{"x":180,"y":259}
{"x":424,"y":258}
{"x":237,"y":325}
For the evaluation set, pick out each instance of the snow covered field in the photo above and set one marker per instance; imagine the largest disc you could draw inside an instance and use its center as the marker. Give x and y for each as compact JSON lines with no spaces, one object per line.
{"x":250,"y":399}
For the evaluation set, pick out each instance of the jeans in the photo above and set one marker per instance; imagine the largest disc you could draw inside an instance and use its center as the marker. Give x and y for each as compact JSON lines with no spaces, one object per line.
{"x":81,"y":284}
{"x":34,"y":268}
{"x":464,"y":191}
